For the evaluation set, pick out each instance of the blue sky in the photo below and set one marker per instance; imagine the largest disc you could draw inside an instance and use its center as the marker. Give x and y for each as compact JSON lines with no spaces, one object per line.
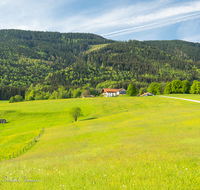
{"x":119,"y":20}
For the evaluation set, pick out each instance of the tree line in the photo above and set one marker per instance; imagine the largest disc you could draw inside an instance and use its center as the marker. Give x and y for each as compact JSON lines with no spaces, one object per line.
{"x":175,"y":87}
{"x":6,"y":92}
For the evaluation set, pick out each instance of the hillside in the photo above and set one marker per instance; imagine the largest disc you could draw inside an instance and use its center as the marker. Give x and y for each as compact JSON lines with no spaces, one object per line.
{"x":125,"y":142}
{"x":126,"y":61}
{"x":28,"y":56}
{"x":183,"y":49}
{"x":75,"y":60}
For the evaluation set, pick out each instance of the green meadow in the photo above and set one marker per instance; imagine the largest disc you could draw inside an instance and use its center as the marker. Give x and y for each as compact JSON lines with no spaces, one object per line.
{"x":96,"y":47}
{"x":119,"y":143}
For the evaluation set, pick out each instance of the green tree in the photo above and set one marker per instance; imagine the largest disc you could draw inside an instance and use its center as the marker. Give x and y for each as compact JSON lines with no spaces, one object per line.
{"x":155,"y":88}
{"x":176,"y":86}
{"x":76,"y":93}
{"x":142,"y":90}
{"x":18,"y":98}
{"x":131,"y":90}
{"x":185,"y":87}
{"x":86,"y":92}
{"x":168,"y":88}
{"x":75,"y":112}
{"x":12,"y":100}
{"x":194,"y":87}
{"x":198,"y":88}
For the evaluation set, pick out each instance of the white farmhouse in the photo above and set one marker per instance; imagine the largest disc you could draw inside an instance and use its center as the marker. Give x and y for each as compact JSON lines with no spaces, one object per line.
{"x":107,"y":92}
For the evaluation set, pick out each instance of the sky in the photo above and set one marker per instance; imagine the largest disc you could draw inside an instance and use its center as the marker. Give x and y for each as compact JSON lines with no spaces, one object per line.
{"x":121,"y":20}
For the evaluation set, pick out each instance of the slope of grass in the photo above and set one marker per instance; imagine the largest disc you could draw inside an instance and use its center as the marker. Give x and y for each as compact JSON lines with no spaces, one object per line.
{"x":120,"y":143}
{"x":96,"y":47}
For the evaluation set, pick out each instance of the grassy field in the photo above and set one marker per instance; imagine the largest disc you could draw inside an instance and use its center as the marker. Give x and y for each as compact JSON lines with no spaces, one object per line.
{"x":120,"y":143}
{"x":96,"y":47}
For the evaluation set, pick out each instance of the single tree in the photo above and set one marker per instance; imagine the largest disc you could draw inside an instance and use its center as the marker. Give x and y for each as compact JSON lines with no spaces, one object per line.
{"x":131,"y":90}
{"x":155,"y":88}
{"x":75,"y":113}
{"x":85,"y":93}
{"x":176,"y":86}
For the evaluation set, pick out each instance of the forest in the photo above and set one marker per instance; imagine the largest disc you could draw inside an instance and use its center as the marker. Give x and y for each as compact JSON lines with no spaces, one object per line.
{"x":179,"y":48}
{"x":28,"y":56}
{"x":70,"y":60}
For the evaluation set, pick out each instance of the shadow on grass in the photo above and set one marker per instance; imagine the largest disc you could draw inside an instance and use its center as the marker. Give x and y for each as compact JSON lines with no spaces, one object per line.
{"x":91,"y":118}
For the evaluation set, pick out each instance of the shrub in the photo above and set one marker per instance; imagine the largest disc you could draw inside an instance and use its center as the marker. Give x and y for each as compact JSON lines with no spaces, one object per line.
{"x":16,"y":98}
{"x":12,"y":100}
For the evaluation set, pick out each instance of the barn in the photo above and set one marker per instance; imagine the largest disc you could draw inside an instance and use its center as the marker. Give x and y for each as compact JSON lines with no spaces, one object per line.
{"x":2,"y":121}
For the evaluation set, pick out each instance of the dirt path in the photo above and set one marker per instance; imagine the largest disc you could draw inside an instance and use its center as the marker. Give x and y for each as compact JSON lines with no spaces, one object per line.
{"x":181,"y":99}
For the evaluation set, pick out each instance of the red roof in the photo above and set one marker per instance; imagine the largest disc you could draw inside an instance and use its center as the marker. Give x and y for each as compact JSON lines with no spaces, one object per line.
{"x":148,"y":94}
{"x":110,"y":90}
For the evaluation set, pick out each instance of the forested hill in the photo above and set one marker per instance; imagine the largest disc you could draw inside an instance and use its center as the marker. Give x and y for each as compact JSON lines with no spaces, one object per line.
{"x":186,"y":50}
{"x":133,"y":61}
{"x":28,"y":56}
{"x":54,"y":59}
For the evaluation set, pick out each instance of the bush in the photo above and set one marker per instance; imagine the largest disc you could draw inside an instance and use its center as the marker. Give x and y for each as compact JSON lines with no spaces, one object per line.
{"x":30,"y":98}
{"x":12,"y":100}
{"x":16,"y":98}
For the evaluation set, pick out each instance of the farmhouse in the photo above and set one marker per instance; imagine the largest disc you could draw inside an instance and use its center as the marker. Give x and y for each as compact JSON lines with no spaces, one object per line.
{"x":147,"y":94}
{"x":2,"y":121}
{"x":107,"y":92}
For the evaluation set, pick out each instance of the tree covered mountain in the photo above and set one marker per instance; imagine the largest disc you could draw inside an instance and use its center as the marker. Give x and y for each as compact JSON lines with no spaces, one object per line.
{"x":186,"y":50}
{"x":126,"y":61}
{"x":53,"y":59}
{"x":28,"y":56}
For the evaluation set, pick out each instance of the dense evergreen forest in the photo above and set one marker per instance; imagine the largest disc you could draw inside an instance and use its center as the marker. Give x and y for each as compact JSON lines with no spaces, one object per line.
{"x":186,"y":50}
{"x":53,"y":59}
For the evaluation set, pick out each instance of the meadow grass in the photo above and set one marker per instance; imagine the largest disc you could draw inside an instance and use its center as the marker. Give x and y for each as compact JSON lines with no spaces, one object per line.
{"x":120,"y":143}
{"x":190,"y":96}
{"x":96,"y":47}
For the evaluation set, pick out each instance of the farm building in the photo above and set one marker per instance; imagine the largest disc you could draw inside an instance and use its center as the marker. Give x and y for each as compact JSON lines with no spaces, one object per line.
{"x":2,"y":121}
{"x":88,"y":96}
{"x":147,"y":94}
{"x":107,"y":92}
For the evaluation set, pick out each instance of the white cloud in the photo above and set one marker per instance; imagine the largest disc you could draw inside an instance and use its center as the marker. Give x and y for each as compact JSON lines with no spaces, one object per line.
{"x":160,"y":18}
{"x":189,"y":31}
{"x":113,"y":21}
{"x":28,"y":15}
{"x":135,"y":18}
